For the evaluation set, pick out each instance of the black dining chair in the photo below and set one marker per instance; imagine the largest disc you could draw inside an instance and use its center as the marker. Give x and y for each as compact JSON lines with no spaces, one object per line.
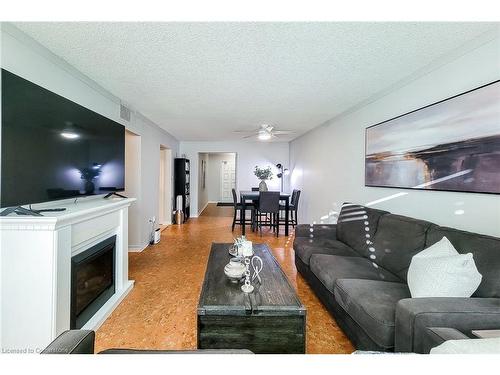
{"x":255,"y":189}
{"x":269,"y":204}
{"x":237,"y":208}
{"x":293,"y":208}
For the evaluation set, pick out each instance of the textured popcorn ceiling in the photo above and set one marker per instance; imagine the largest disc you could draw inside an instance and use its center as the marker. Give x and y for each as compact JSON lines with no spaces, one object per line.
{"x":202,"y":81}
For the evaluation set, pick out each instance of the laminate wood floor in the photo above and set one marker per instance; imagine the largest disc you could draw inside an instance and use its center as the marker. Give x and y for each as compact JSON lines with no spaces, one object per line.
{"x":160,"y":311}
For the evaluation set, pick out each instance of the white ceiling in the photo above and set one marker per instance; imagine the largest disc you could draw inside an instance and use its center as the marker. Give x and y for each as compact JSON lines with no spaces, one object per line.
{"x":202,"y":81}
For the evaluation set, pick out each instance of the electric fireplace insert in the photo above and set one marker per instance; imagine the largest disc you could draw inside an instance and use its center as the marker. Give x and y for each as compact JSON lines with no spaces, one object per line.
{"x":92,"y":281}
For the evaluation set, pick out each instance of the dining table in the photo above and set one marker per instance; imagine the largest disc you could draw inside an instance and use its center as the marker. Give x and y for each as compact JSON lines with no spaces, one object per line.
{"x":253,"y":196}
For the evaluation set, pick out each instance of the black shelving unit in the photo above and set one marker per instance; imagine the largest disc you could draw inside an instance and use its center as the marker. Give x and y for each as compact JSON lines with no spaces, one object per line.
{"x":182,"y":172}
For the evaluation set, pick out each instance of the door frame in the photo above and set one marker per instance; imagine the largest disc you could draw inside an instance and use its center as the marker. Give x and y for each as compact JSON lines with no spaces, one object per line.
{"x":221,"y":192}
{"x":205,"y":151}
{"x":165,"y":177}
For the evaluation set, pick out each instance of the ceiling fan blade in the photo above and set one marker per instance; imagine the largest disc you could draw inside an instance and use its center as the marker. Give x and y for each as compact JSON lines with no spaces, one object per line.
{"x":246,"y":131}
{"x":284,"y":131}
{"x":250,"y":136}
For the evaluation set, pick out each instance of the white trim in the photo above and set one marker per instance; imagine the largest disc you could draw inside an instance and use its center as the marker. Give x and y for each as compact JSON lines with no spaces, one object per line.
{"x":199,"y":212}
{"x":87,"y":209}
{"x":137,"y":248}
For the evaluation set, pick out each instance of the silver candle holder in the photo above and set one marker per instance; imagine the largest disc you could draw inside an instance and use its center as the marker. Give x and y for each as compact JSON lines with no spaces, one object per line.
{"x":247,"y":287}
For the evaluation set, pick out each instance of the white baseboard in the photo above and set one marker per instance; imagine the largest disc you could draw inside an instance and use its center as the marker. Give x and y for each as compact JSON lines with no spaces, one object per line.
{"x":199,"y":212}
{"x":137,"y":248}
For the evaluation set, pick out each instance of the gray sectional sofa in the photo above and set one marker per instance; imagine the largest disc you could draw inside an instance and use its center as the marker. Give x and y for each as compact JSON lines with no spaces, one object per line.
{"x":358,"y":269}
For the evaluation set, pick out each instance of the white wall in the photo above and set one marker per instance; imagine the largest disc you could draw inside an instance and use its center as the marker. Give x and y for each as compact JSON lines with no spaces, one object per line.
{"x":214,"y":174}
{"x":25,"y":57}
{"x":203,"y":192}
{"x":248,"y":155}
{"x":133,"y":183}
{"x":151,"y":138}
{"x":166,"y":186}
{"x":328,"y":162}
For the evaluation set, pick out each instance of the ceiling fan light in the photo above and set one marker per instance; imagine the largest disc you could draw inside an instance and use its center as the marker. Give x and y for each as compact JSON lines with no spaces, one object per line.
{"x":264,"y":135}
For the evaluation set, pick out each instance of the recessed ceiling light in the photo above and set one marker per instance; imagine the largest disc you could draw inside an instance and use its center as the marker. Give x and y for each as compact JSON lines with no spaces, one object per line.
{"x":69,"y":135}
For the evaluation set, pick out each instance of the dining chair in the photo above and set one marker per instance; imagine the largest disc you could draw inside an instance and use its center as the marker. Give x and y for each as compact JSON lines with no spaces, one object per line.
{"x":269,"y":204}
{"x":255,"y":189}
{"x":237,"y":208}
{"x":293,"y":208}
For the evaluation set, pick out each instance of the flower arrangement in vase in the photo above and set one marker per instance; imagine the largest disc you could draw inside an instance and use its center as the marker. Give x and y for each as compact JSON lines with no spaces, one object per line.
{"x":263,"y":174}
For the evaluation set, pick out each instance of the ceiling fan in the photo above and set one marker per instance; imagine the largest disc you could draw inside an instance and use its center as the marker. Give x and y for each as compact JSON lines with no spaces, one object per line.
{"x":264,"y":133}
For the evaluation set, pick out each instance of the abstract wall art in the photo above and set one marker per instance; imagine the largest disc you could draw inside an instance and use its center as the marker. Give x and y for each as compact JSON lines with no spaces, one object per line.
{"x":451,"y":145}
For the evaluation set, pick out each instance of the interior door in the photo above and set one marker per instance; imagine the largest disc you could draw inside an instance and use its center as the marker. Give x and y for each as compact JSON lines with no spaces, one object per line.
{"x":228,"y":180}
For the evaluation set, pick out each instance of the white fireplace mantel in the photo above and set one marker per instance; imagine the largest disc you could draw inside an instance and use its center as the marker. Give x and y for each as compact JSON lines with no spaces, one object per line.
{"x":35,"y":268}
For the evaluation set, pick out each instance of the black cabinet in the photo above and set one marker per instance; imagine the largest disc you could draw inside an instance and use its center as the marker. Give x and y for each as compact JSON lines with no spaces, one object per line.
{"x":181,"y":184}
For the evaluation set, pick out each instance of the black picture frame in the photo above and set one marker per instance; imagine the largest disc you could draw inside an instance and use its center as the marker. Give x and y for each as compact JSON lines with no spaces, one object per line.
{"x":368,"y":184}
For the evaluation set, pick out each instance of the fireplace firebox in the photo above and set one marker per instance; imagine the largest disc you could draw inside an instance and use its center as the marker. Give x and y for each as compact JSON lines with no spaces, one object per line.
{"x":92,"y":281}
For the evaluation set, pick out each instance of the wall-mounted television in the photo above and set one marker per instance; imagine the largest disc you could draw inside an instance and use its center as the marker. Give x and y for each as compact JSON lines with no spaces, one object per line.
{"x":53,"y":148}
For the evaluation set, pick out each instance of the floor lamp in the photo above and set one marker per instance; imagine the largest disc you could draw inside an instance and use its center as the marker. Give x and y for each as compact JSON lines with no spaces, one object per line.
{"x":283,"y":172}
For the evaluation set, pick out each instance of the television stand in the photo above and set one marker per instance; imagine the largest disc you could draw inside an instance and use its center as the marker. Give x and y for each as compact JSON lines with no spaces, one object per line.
{"x":114,"y":193}
{"x":20,"y":211}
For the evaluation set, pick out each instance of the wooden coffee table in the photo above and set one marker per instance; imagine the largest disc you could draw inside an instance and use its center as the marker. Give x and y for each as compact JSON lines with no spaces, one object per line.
{"x":271,"y":319}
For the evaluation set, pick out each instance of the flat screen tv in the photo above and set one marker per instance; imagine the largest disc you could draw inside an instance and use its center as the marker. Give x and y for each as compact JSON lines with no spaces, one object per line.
{"x":53,"y":148}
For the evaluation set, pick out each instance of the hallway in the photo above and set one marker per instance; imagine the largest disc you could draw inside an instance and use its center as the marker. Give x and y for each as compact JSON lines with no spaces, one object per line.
{"x":160,"y":311}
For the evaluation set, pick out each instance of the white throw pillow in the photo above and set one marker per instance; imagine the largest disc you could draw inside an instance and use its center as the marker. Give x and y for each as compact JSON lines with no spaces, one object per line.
{"x":441,"y":271}
{"x":476,"y":346}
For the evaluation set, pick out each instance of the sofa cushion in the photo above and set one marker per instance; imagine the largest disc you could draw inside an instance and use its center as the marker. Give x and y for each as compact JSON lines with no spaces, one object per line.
{"x":486,"y":253}
{"x":351,"y":225}
{"x":305,"y":247}
{"x":372,"y":304}
{"x":329,"y":268}
{"x":397,"y":240}
{"x":440,"y":271}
